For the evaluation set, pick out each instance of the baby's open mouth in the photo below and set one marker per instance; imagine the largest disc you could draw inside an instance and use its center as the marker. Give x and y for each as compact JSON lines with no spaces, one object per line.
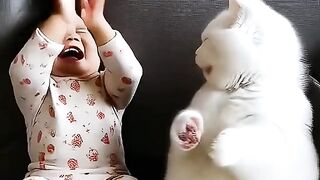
{"x":72,"y":52}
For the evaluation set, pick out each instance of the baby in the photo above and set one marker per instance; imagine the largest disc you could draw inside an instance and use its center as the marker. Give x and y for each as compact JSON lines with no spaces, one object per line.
{"x":73,"y":112}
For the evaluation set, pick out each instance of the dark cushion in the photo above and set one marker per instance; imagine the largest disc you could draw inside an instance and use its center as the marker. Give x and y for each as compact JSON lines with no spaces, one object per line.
{"x":164,"y":36}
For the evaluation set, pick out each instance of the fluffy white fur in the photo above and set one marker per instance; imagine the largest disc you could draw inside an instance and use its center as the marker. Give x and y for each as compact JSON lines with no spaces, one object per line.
{"x":251,"y":120}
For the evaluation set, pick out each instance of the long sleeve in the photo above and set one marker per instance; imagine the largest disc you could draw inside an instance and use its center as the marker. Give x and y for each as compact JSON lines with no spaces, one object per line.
{"x":30,"y":72}
{"x":123,"y":71}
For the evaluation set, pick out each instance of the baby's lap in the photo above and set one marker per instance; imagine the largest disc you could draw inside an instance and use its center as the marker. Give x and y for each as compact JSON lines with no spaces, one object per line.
{"x":35,"y":178}
{"x":120,"y":177}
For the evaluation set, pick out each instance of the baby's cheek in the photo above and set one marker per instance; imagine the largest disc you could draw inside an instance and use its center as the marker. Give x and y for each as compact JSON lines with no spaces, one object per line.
{"x":88,"y":40}
{"x":92,"y":58}
{"x":90,"y":46}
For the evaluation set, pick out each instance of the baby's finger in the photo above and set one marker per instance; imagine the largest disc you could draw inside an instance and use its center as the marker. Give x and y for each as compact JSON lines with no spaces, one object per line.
{"x":85,"y":9}
{"x":85,"y":4}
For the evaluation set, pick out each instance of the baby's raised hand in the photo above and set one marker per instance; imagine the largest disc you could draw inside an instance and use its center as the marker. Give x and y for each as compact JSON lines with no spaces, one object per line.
{"x":65,"y":8}
{"x":92,"y":13}
{"x":63,"y":15}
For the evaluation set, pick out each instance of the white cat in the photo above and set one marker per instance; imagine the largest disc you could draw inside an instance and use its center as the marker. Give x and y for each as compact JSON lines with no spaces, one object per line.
{"x":251,"y":120}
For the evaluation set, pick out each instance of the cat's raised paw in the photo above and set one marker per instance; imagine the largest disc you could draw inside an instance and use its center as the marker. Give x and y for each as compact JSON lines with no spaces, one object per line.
{"x":186,"y":129}
{"x":189,"y":138}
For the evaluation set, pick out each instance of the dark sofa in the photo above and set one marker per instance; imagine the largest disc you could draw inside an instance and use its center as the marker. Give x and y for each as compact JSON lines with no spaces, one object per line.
{"x":164,"y":35}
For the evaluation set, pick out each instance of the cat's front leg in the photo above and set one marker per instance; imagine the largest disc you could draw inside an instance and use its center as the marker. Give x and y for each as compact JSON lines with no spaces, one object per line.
{"x":228,"y":148}
{"x":186,"y":129}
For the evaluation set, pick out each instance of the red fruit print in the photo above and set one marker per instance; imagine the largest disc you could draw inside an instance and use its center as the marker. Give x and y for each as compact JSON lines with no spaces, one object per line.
{"x":73,"y":164}
{"x":105,"y":139}
{"x":75,"y":86}
{"x":91,"y":100}
{"x":19,"y":57}
{"x":41,"y":160}
{"x":101,"y":115}
{"x":93,"y":155}
{"x":43,"y":45}
{"x":126,"y":80}
{"x":70,"y":117}
{"x":39,"y":136}
{"x":50,"y":148}
{"x":25,"y":81}
{"x":77,"y":140}
{"x":63,"y":99}
{"x":107,"y":54}
{"x":51,"y":111}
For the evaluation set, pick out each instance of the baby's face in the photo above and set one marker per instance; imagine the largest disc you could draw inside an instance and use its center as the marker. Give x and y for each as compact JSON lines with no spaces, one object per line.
{"x":79,"y":57}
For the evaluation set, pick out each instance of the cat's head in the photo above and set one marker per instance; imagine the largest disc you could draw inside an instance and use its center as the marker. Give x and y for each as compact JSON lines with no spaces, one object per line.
{"x":244,"y":43}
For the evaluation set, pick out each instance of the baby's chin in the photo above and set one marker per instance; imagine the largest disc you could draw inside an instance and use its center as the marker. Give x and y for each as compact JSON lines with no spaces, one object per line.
{"x":68,"y":63}
{"x":70,"y":67}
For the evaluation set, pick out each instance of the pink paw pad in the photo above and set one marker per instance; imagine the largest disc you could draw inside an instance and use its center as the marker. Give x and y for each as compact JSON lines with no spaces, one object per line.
{"x":189,"y":138}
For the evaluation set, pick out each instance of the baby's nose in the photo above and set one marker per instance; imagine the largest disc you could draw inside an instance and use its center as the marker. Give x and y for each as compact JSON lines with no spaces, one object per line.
{"x":73,"y":39}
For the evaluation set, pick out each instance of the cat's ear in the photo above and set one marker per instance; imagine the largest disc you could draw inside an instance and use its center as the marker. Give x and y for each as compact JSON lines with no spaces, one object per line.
{"x":245,"y":4}
{"x":239,"y":11}
{"x":234,"y":5}
{"x":244,"y":9}
{"x":245,"y":12}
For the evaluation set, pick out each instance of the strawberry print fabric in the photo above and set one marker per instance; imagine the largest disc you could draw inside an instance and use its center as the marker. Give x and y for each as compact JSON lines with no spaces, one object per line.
{"x":73,"y":125}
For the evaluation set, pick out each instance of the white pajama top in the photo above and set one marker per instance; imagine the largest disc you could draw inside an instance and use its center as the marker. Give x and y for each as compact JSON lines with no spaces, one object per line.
{"x":73,"y":126}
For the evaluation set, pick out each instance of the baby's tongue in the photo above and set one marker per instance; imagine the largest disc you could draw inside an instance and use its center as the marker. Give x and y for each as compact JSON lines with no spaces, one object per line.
{"x":72,"y":53}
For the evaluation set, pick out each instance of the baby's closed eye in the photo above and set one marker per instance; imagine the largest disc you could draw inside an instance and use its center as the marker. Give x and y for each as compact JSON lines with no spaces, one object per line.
{"x":82,"y":30}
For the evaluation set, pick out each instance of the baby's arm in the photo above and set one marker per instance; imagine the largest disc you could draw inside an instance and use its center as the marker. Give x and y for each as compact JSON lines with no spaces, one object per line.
{"x":123,"y":71}
{"x":30,"y":70}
